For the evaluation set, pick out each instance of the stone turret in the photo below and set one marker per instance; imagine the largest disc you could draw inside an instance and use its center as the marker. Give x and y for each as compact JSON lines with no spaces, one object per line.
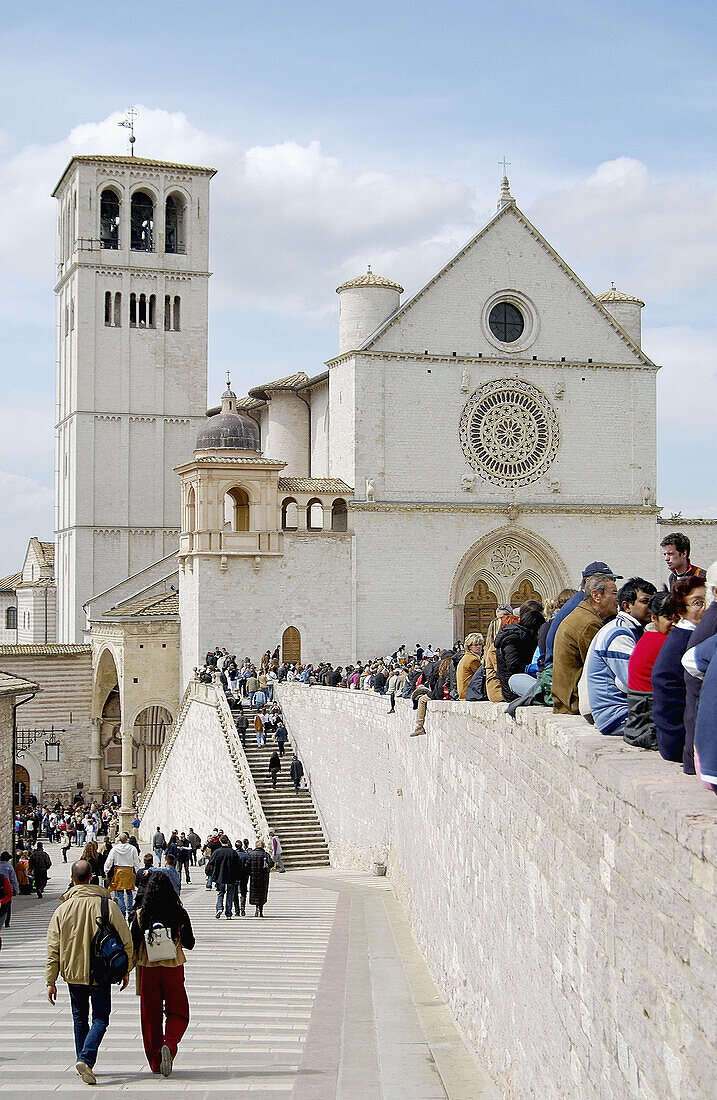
{"x":364,"y":304}
{"x":626,"y":310}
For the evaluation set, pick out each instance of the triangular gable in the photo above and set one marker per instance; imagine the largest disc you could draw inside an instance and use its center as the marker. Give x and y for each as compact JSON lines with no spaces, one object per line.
{"x":375,"y":339}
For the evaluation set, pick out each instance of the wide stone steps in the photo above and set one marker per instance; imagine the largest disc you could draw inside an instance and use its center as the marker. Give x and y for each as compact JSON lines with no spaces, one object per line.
{"x":291,"y":815}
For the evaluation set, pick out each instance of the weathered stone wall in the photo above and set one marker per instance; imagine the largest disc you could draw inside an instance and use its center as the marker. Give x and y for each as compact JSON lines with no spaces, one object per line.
{"x":198,"y":787}
{"x":560,"y":884}
{"x":7,"y":772}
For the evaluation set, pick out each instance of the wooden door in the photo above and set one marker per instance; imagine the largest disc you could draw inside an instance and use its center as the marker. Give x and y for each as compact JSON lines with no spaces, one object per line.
{"x":479,"y":610}
{"x":291,"y":646}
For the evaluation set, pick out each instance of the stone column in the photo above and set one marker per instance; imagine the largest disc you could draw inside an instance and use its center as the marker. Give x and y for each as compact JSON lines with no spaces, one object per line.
{"x":127,"y":779}
{"x":95,"y":757}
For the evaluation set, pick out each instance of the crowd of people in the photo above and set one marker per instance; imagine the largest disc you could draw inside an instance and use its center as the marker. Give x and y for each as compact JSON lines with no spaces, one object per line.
{"x":633,"y":660}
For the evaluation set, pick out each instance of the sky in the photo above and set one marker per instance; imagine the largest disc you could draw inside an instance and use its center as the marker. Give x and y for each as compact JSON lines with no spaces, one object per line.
{"x":370,"y":133}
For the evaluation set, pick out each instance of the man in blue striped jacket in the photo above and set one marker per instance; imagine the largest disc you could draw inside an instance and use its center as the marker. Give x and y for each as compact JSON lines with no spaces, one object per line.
{"x":610,"y":655}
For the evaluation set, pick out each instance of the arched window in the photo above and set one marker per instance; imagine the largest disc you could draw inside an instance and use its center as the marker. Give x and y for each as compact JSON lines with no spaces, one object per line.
{"x":191,"y":509}
{"x":167,"y":313}
{"x":151,"y":315}
{"x":142,"y":311}
{"x":11,"y":618}
{"x":177,"y":319}
{"x":236,"y":510}
{"x":291,"y":646}
{"x":339,"y":516}
{"x":133,"y":311}
{"x":315,"y":515}
{"x":109,"y":219}
{"x":174,"y":224}
{"x":142,"y":222}
{"x":117,"y":321}
{"x":108,"y":307}
{"x":289,"y":515}
{"x":523,"y":592}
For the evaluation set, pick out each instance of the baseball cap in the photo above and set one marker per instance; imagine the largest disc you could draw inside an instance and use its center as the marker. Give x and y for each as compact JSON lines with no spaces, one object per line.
{"x":600,"y":567}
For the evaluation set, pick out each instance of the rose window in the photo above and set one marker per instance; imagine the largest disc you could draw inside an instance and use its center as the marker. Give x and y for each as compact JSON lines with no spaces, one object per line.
{"x":506,"y":560}
{"x":509,"y":432}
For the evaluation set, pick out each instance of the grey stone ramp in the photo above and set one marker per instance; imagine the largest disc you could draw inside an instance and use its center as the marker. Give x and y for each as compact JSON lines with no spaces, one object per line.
{"x":327,"y":996}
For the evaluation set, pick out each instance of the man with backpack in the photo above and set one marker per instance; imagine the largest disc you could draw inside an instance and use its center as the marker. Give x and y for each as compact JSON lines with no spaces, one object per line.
{"x":89,"y":944}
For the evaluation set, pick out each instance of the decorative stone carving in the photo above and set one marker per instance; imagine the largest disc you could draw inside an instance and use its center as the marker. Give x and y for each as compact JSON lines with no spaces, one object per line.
{"x":559,"y":390}
{"x":509,"y":432}
{"x":465,"y":382}
{"x":506,"y":560}
{"x":467,"y":483}
{"x":647,"y":495}
{"x":554,"y":486}
{"x":370,"y":489}
{"x":513,"y":512}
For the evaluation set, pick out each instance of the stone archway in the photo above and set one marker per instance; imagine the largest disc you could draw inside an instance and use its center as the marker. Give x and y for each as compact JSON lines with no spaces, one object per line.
{"x":148,"y":734}
{"x":504,"y":560}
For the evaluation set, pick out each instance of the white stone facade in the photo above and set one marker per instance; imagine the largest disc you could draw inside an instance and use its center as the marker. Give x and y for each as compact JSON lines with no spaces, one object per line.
{"x":560,"y":887}
{"x":131,"y":368}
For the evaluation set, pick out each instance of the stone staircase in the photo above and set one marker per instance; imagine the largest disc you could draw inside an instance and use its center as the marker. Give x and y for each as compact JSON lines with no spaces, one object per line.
{"x":292,"y":816}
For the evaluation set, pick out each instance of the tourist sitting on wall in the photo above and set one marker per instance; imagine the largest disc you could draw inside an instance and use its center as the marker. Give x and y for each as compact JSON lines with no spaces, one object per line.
{"x":515,"y":644}
{"x":469,"y":662}
{"x":701,"y":662}
{"x":668,"y":678}
{"x":445,"y":685}
{"x":503,"y":617}
{"x":574,"y":636}
{"x":640,"y":727}
{"x":706,"y":627}
{"x":676,"y":552}
{"x":609,"y":656}
{"x":591,"y":570}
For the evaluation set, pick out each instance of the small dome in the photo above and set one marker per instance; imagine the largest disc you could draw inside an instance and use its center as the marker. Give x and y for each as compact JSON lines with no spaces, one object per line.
{"x":229,"y":430}
{"x":615,"y":295}
{"x":369,"y":279}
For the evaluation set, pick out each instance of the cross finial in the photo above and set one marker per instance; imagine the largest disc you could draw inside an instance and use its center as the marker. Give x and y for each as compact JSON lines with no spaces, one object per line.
{"x":369,"y":269}
{"x":229,"y":383}
{"x":127,"y":123}
{"x":612,"y":284}
{"x":506,"y":164}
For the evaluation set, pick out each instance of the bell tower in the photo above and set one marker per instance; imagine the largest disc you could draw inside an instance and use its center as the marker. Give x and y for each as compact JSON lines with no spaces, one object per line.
{"x":132,"y":306}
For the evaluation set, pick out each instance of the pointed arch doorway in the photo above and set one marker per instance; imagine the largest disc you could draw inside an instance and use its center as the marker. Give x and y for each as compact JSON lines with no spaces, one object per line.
{"x":479,"y":609}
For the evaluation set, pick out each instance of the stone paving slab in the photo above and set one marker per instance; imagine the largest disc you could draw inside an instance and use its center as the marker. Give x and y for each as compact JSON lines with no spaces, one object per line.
{"x":326,"y":998}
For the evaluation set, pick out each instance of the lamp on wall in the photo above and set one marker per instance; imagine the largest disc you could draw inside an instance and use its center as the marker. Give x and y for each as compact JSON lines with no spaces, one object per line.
{"x":52,"y":748}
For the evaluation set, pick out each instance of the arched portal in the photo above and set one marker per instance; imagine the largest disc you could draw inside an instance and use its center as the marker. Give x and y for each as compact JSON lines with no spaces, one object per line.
{"x":236,"y":510}
{"x":148,"y":734}
{"x":479,"y":609}
{"x":22,"y":785}
{"x":525,"y":591}
{"x":291,"y":646}
{"x":504,"y":559}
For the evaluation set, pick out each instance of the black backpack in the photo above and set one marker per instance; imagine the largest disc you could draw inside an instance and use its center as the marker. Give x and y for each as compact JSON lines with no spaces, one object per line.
{"x":108,"y":959}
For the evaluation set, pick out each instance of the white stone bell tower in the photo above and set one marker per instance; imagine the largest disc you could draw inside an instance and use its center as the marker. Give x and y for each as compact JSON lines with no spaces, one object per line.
{"x":132,"y":303}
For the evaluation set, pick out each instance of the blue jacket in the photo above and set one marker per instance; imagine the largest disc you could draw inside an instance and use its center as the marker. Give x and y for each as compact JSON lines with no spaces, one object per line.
{"x":556,"y":621}
{"x":702,"y":663}
{"x":607,"y":671}
{"x":668,"y":694}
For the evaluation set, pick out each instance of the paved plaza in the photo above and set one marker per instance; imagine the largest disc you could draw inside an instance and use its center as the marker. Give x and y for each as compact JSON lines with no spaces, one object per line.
{"x":327,"y":996}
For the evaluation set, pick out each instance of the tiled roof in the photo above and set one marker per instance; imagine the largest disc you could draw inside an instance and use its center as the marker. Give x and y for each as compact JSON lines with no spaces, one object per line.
{"x":615,"y":295}
{"x":41,"y":582}
{"x":162,"y":603}
{"x":9,"y":584}
{"x":128,"y":162}
{"x":48,"y":552}
{"x":369,"y":279}
{"x":313,"y":485}
{"x":291,"y":382}
{"x":15,"y":685}
{"x":52,"y":649}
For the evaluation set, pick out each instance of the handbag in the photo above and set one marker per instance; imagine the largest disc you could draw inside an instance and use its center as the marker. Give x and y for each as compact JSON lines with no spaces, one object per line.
{"x":159,"y":944}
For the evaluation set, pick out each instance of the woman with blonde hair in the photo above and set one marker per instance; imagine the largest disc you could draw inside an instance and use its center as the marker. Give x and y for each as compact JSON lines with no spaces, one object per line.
{"x":90,"y":852}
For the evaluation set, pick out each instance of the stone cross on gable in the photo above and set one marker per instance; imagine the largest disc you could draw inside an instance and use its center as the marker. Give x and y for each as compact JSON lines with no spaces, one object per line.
{"x":506,"y":164}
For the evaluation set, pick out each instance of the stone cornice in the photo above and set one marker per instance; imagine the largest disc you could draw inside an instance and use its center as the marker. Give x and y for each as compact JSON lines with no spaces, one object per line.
{"x":495,"y":363}
{"x":676,"y":521}
{"x":113,"y":270}
{"x":510,"y":509}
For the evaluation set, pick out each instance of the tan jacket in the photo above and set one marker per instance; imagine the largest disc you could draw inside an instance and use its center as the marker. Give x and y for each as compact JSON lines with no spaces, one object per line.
{"x":467,"y":667}
{"x":70,"y":933}
{"x":492,"y":681}
{"x":572,"y":642}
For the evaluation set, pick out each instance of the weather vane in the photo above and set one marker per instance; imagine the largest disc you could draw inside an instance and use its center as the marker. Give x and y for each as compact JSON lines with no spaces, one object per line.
{"x":506,"y":164}
{"x":127,"y":123}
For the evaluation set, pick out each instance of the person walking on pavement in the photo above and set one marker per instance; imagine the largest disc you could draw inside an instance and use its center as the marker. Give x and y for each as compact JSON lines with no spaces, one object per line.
{"x":259,"y":729}
{"x":161,"y":932}
{"x":296,"y":771}
{"x":240,"y":890}
{"x":65,"y":844}
{"x":40,"y":864}
{"x":195,"y":843}
{"x":260,"y":863}
{"x":159,"y":844}
{"x":121,"y":866}
{"x":7,"y":869}
{"x":276,"y":851}
{"x":184,"y":855}
{"x":223,"y":867}
{"x":69,"y":938}
{"x":274,"y":767}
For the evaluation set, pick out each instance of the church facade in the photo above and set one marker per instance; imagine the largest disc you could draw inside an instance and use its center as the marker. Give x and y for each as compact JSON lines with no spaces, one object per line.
{"x":474,"y":445}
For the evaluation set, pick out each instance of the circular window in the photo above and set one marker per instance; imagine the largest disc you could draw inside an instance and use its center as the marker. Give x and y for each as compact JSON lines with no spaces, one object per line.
{"x":509,"y":432}
{"x":506,"y":322}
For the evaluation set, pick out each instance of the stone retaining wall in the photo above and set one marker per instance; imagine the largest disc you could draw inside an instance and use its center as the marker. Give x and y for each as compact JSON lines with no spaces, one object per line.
{"x":560,"y":884}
